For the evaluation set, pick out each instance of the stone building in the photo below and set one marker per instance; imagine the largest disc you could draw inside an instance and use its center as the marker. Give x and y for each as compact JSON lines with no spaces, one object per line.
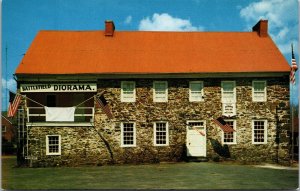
{"x":147,"y":97}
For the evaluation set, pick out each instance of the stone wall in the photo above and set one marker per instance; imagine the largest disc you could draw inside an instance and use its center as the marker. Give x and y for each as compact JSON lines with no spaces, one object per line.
{"x":101,"y":144}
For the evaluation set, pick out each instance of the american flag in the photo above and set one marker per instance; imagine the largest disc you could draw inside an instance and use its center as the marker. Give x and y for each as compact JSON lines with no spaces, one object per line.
{"x":224,"y":126}
{"x":102,"y":103}
{"x":14,"y":101}
{"x":294,"y":68}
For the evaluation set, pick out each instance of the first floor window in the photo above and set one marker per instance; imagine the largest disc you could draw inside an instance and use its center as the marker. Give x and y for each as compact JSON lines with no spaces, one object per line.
{"x":230,"y":138}
{"x":128,"y":135}
{"x":161,"y":134}
{"x":259,"y":131}
{"x":53,"y":145}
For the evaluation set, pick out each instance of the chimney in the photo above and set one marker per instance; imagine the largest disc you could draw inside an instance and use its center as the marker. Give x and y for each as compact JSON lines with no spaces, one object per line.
{"x":261,"y":28}
{"x":109,"y":28}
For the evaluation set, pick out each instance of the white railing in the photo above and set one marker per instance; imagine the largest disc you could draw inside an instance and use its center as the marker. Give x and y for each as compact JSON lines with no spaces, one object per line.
{"x":82,"y":114}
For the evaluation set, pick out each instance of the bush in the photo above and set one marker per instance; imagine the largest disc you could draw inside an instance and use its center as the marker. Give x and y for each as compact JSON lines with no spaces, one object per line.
{"x":223,"y":151}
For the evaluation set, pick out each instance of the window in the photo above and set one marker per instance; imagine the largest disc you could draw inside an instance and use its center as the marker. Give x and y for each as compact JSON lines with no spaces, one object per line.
{"x":3,"y":128}
{"x":161,"y":134}
{"x":127,"y":91}
{"x":160,"y":91}
{"x":259,"y":91}
{"x":228,"y":92}
{"x":229,"y":138}
{"x":228,"y":98}
{"x":53,"y":144}
{"x":51,"y":100}
{"x":259,"y":131}
{"x":128,"y":135}
{"x":196,"y":91}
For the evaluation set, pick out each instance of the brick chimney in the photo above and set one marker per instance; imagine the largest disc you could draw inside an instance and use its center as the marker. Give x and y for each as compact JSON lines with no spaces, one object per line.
{"x":261,"y":28}
{"x":109,"y":28}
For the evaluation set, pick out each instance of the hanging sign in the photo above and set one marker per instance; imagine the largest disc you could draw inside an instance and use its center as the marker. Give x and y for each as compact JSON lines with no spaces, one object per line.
{"x":74,"y":87}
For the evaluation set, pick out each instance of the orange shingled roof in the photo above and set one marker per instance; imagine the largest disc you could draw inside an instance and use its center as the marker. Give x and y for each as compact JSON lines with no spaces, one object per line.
{"x":91,"y":52}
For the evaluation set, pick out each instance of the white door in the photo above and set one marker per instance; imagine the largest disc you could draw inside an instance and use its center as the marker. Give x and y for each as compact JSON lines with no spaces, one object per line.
{"x":196,"y":138}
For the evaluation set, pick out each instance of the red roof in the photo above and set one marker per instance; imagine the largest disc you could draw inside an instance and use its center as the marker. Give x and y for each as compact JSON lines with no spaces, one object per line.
{"x":91,"y":52}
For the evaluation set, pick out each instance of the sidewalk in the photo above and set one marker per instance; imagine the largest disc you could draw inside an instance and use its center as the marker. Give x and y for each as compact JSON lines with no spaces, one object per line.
{"x":295,"y":166}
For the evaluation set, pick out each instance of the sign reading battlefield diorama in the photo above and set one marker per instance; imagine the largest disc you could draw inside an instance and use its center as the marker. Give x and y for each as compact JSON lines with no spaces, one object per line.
{"x":75,"y":87}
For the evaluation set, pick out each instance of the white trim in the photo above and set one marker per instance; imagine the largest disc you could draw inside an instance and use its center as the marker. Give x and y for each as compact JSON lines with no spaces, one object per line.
{"x":265,"y":91}
{"x":154,"y":133}
{"x":265,"y":131}
{"x":59,"y":145}
{"x":165,"y":99}
{"x":60,"y":124}
{"x":122,"y":135}
{"x":234,"y":133}
{"x":122,"y":93}
{"x":234,"y":92}
{"x":191,"y":99}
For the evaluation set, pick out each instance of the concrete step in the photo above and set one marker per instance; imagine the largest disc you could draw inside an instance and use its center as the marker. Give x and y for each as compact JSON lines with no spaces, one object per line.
{"x":197,"y":159}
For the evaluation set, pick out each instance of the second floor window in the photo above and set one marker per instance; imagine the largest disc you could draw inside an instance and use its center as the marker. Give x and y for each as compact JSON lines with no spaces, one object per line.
{"x":228,"y":92}
{"x":160,"y":91}
{"x":127,"y":91}
{"x":196,"y":91}
{"x":259,"y":91}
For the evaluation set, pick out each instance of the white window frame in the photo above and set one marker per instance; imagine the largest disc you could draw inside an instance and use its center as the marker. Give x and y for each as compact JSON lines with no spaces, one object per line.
{"x":3,"y":129}
{"x":234,"y":133}
{"x":234,"y":92}
{"x":47,"y":145}
{"x":265,"y":131}
{"x":201,"y":93}
{"x":254,"y":99}
{"x":122,"y":135}
{"x":123,"y":99}
{"x":165,"y":99}
{"x":167,"y":133}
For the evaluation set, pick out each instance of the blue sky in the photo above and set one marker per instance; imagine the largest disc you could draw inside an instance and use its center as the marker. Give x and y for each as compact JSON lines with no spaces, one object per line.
{"x":22,"y":19}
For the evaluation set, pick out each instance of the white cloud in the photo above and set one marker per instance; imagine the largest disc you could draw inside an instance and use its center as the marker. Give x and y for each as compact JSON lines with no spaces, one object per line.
{"x":128,"y":19}
{"x":166,"y":22}
{"x":283,"y":20}
{"x":11,"y":84}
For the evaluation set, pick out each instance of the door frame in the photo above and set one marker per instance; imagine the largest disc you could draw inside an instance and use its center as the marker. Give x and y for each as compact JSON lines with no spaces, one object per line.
{"x":187,"y":129}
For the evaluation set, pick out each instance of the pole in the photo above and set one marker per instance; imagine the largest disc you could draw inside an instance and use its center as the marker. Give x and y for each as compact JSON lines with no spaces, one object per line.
{"x":292,"y":128}
{"x":6,"y":94}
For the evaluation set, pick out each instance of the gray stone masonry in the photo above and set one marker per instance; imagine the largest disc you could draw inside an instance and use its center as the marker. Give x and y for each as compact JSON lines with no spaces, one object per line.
{"x":102,"y":144}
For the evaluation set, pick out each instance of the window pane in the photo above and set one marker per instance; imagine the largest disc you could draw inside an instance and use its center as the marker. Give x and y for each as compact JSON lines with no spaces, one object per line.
{"x":128,"y":134}
{"x":53,"y":144}
{"x":259,"y":86}
{"x":259,"y":131}
{"x":161,"y":133}
{"x":228,"y":86}
{"x":196,"y":86}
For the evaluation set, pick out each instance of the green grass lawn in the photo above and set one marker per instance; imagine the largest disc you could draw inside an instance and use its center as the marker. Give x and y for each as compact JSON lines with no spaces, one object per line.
{"x":206,"y":175}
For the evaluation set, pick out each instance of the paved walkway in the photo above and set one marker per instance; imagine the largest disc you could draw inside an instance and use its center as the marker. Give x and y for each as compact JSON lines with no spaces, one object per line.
{"x":276,"y":166}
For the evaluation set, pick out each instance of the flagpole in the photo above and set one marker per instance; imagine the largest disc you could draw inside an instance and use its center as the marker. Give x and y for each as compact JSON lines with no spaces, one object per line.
{"x":292,"y":129}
